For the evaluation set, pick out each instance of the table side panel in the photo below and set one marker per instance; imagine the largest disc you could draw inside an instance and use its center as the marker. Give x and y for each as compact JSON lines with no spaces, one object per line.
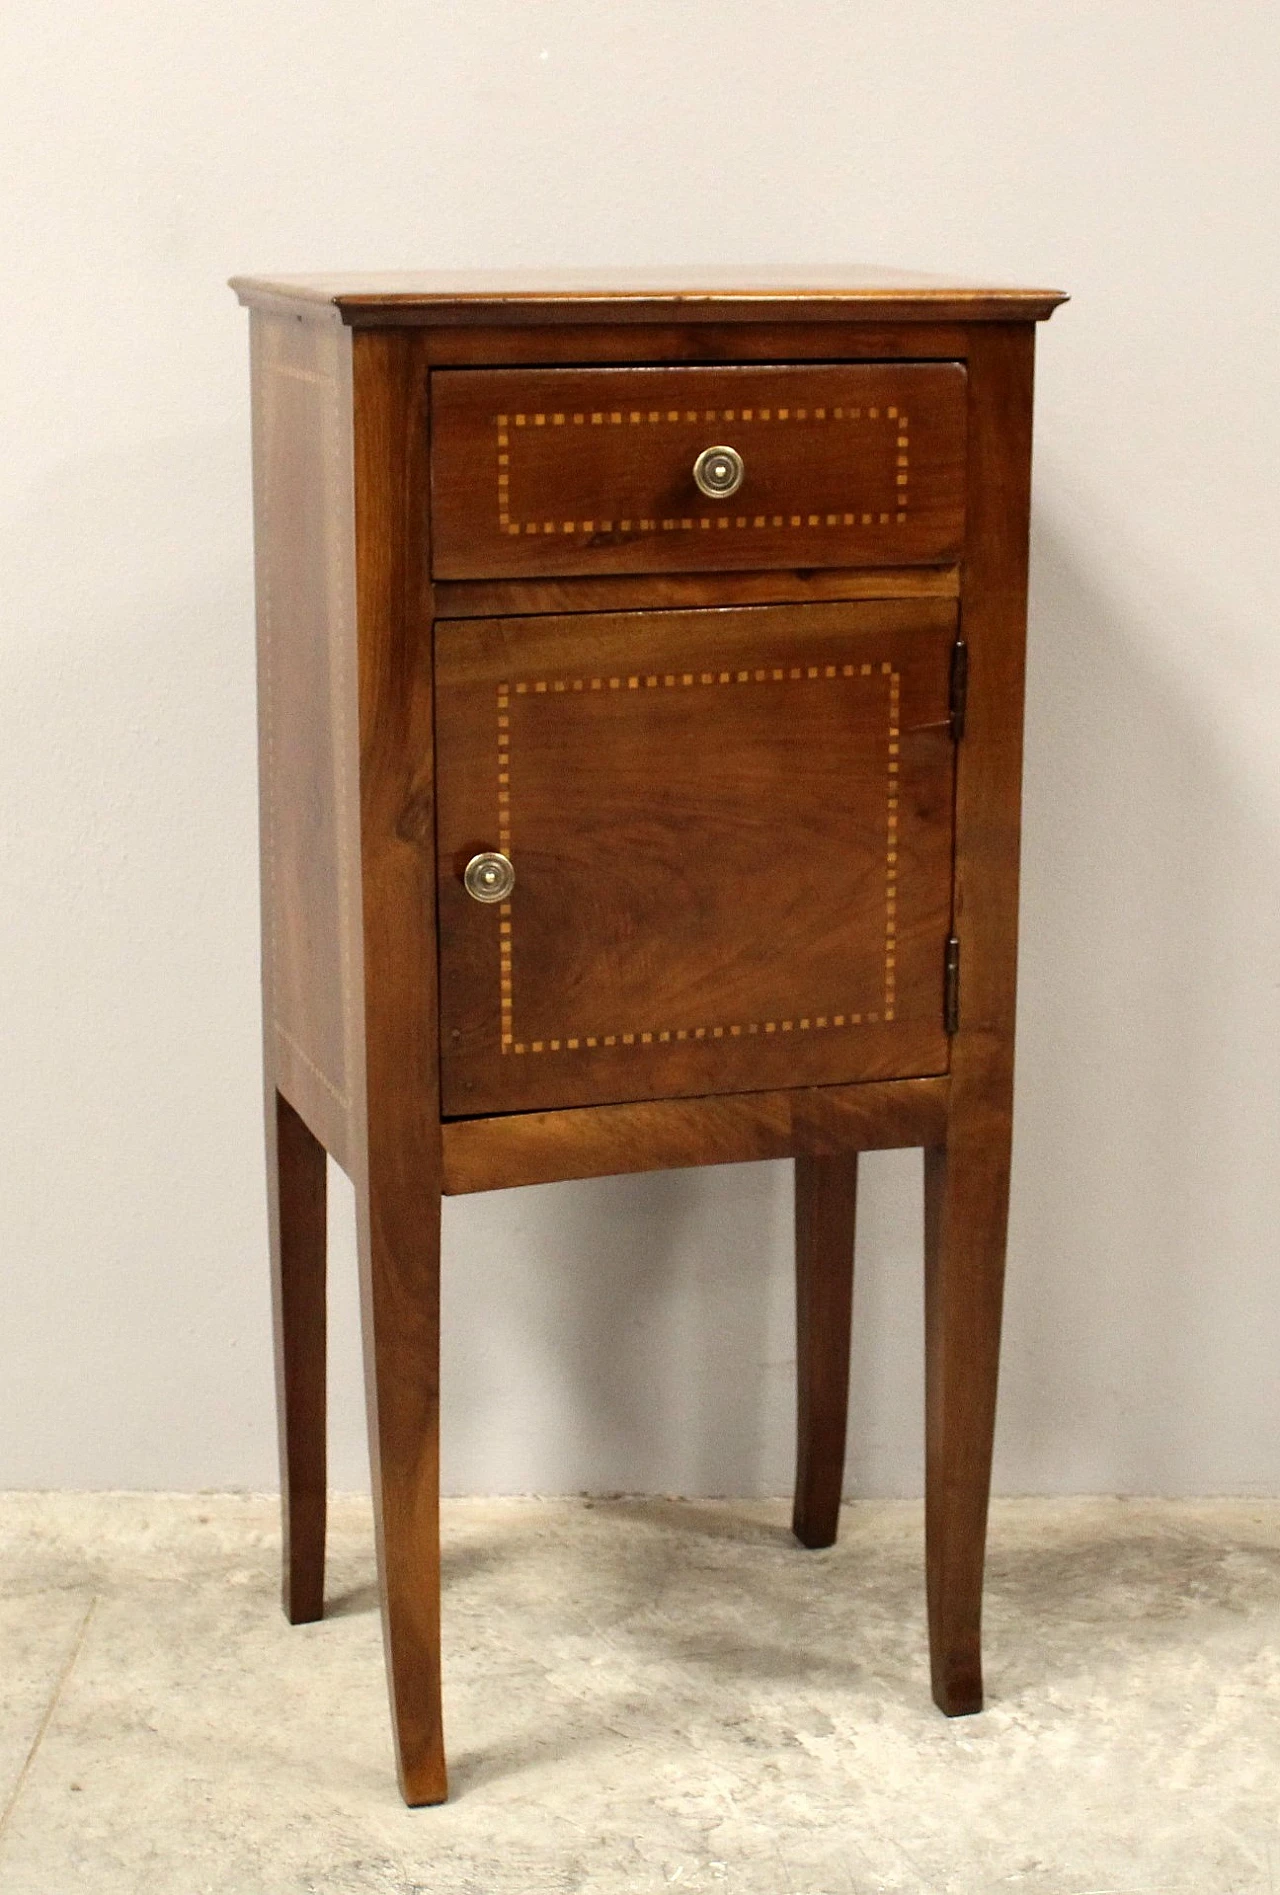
{"x":309,"y":811}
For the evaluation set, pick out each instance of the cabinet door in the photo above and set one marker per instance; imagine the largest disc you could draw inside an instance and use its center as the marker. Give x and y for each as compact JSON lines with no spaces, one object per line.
{"x":732,"y":839}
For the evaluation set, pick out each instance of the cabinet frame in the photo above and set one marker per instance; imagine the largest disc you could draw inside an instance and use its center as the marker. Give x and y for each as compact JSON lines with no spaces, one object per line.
{"x":349,"y":879}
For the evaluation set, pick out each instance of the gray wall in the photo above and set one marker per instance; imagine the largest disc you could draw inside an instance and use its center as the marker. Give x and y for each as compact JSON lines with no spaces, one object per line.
{"x":635,"y":1333}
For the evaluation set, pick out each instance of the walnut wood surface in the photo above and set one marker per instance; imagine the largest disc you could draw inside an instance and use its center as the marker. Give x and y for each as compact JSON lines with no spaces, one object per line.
{"x":647,"y":342}
{"x":666,"y":1134}
{"x":826,"y":1203}
{"x":492,"y":598}
{"x":752,"y":294}
{"x":732,"y":840}
{"x":398,"y":1179}
{"x":353,"y":748}
{"x":296,"y":1193}
{"x":305,"y":567}
{"x":967,"y":1178}
{"x":590,"y":471}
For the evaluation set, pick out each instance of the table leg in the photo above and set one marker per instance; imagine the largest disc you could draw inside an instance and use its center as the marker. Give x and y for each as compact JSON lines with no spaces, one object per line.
{"x":399,"y":1231}
{"x":966,"y":1211}
{"x":826,"y":1198}
{"x":296,"y":1189}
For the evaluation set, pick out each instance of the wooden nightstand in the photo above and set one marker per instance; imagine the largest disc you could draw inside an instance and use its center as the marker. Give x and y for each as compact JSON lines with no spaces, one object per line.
{"x":641,"y":707}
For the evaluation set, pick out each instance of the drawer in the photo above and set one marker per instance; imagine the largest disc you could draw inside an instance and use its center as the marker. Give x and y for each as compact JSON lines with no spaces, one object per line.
{"x":579,"y":471}
{"x":731,"y":833}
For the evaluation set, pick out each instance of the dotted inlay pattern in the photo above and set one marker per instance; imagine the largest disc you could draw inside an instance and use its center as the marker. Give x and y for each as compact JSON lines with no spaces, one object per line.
{"x":685,"y":680}
{"x":504,"y":844}
{"x":706,"y":522}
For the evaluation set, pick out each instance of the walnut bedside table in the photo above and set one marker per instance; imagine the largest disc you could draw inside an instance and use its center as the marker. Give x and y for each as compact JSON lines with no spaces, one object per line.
{"x":641,"y":719}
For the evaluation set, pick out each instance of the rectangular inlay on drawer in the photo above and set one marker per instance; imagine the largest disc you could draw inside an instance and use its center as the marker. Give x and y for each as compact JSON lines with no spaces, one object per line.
{"x":592,"y":470}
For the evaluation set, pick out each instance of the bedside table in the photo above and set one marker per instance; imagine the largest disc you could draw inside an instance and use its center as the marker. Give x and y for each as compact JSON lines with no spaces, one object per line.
{"x":640,"y":676}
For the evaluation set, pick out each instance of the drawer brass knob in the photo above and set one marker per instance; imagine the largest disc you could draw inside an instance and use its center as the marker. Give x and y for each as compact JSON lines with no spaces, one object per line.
{"x":718,"y":471}
{"x":489,"y":877}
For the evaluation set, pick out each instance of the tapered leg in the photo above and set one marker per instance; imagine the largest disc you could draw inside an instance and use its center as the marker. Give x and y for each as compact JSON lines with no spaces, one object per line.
{"x":966,"y":1212}
{"x":826,"y":1198}
{"x":396,"y":1149}
{"x":296,"y":1189}
{"x":400,"y":1281}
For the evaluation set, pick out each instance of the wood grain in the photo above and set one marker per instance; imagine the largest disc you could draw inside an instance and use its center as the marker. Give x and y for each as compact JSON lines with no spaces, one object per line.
{"x":305,"y":571}
{"x":638,"y":592}
{"x":667,"y":1134}
{"x":785,"y":338}
{"x":967,"y":1178}
{"x":551,"y":471}
{"x":670,"y":865}
{"x":826,"y":1193}
{"x":573,"y":296}
{"x":296,"y":1195}
{"x":398,"y":1179}
{"x":732,"y":839}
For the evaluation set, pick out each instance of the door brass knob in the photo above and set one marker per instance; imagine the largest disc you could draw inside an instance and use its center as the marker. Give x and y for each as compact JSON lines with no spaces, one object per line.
{"x":489,"y":877}
{"x":718,"y":471}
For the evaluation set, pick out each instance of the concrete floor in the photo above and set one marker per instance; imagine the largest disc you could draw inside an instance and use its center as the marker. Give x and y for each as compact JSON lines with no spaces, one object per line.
{"x":641,"y":1695}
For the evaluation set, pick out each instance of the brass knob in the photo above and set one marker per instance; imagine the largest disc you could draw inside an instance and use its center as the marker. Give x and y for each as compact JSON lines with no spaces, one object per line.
{"x":718,"y":471}
{"x":489,"y":877}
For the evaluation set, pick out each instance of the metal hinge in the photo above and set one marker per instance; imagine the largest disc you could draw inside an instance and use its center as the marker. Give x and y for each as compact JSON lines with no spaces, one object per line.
{"x":959,"y":688}
{"x":951,"y":987}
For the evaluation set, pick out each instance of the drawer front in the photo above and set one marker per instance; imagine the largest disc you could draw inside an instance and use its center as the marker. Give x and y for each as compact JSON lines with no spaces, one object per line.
{"x":571,"y":471}
{"x":732,"y":840}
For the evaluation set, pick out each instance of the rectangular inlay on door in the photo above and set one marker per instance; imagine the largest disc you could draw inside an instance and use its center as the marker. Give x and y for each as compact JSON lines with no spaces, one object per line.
{"x":731,"y":834}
